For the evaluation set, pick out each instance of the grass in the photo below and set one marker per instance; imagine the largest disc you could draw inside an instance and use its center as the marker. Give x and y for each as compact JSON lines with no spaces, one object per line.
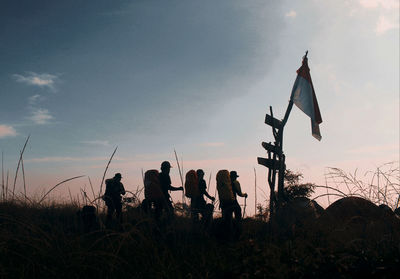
{"x":48,"y":241}
{"x":380,"y":186}
{"x":40,"y":238}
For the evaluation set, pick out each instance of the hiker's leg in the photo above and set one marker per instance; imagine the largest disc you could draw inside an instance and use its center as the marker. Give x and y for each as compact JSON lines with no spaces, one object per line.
{"x":118,"y":209}
{"x":158,"y":207}
{"x":237,"y":211}
{"x":110,"y":210}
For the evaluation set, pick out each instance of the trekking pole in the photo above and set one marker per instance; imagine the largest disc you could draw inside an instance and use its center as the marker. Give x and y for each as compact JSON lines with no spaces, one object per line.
{"x":244,"y":208}
{"x":180,"y":174}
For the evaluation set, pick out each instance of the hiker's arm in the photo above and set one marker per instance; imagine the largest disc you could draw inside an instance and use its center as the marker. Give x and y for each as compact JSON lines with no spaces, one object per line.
{"x":239,"y":190}
{"x":208,"y":196}
{"x":122,"y":189}
{"x":172,"y":188}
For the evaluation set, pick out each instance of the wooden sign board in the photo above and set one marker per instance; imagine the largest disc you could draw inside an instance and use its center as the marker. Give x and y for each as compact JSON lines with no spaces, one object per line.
{"x":269,"y":120}
{"x":271,"y":148}
{"x":269,"y":163}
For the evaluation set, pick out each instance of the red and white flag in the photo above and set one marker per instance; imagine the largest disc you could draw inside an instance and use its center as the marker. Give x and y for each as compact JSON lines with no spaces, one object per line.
{"x":303,"y":95}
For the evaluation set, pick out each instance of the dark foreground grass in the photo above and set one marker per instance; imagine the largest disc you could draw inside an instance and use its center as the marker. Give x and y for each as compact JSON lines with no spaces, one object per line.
{"x":50,"y":242}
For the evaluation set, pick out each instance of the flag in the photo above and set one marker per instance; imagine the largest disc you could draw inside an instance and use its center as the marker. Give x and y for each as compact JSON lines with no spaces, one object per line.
{"x":303,"y":96}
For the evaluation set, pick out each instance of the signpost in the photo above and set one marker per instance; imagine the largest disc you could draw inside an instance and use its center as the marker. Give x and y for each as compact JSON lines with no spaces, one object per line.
{"x":276,"y":158}
{"x":303,"y":96}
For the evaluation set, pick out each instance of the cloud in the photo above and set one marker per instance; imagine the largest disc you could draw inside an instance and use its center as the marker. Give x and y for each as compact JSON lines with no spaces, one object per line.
{"x":387,"y":11}
{"x":291,"y":14}
{"x":212,"y":144}
{"x":386,"y":4}
{"x":384,"y":25}
{"x":34,"y":99}
{"x":7,"y":131}
{"x":35,"y":79}
{"x":96,"y":142}
{"x":59,"y":159}
{"x":41,"y":116}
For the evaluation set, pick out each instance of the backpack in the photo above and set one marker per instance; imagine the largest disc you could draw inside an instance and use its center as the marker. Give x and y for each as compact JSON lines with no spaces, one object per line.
{"x":111,"y":190}
{"x":224,"y":186}
{"x":192,"y":184}
{"x":152,"y":186}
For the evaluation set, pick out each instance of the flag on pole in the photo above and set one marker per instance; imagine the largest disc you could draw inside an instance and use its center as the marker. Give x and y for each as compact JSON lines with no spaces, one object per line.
{"x":303,"y":96}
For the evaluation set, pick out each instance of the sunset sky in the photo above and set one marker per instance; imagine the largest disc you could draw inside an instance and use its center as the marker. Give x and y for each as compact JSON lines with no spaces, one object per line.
{"x":82,"y":77}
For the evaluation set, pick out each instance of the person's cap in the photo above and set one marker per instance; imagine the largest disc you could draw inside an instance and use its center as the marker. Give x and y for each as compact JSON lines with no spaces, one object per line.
{"x":234,"y":174}
{"x":165,"y":165}
{"x":118,"y":175}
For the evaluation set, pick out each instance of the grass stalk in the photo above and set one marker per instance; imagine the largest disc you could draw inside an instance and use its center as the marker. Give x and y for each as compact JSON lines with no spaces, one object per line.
{"x":105,"y":171}
{"x":8,"y":172}
{"x":58,"y":184}
{"x":23,"y":174}
{"x":255,"y":191}
{"x":19,"y":163}
{"x":70,"y":196}
{"x":91,"y":187}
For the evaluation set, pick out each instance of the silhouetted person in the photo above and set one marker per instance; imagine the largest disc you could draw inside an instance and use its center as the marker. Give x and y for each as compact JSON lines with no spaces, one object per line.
{"x":112,"y":196}
{"x":198,"y":204}
{"x":165,"y":182}
{"x":236,"y":189}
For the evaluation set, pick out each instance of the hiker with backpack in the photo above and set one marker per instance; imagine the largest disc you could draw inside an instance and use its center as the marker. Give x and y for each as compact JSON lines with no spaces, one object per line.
{"x":225,"y":194}
{"x":165,"y":183}
{"x":196,"y":189}
{"x":236,"y":189}
{"x":112,"y":196}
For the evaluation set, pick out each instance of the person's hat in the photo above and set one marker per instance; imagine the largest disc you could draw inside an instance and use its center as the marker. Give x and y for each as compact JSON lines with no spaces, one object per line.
{"x":234,"y":174}
{"x":118,"y":175}
{"x":165,"y":165}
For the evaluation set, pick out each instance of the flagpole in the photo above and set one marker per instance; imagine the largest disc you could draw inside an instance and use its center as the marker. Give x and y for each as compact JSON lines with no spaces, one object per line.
{"x":281,"y":156}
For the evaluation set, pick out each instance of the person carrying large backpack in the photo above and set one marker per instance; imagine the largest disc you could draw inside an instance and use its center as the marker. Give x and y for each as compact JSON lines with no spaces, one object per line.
{"x":198,"y":204}
{"x":112,"y":196}
{"x":225,"y":193}
{"x":165,"y":182}
{"x":237,"y":191}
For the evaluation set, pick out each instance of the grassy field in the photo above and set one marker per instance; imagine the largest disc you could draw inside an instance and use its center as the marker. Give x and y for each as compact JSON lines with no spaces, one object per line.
{"x":49,"y":241}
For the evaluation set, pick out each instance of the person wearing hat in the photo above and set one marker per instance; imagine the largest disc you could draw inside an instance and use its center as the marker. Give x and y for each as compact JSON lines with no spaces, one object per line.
{"x":165,"y":182}
{"x":237,"y":191}
{"x":112,"y":196}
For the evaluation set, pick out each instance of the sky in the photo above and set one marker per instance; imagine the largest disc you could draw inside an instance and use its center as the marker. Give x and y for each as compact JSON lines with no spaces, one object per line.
{"x":84,"y":77}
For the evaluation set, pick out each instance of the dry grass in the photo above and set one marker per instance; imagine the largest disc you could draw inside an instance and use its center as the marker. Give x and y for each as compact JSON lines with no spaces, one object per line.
{"x":380,"y":186}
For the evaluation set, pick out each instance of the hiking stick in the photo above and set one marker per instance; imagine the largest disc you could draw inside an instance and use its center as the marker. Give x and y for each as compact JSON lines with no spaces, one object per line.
{"x":143,"y":177}
{"x":180,"y":175}
{"x":255,"y":191}
{"x":215,"y":194}
{"x":209,"y":181}
{"x":244,"y":208}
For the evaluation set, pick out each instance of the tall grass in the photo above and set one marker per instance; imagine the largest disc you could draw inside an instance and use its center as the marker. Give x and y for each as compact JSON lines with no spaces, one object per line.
{"x":47,"y":240}
{"x":380,"y":186}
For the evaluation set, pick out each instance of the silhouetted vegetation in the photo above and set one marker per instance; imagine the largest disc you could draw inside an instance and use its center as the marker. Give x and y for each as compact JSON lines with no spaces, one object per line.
{"x":49,"y":241}
{"x":293,"y":188}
